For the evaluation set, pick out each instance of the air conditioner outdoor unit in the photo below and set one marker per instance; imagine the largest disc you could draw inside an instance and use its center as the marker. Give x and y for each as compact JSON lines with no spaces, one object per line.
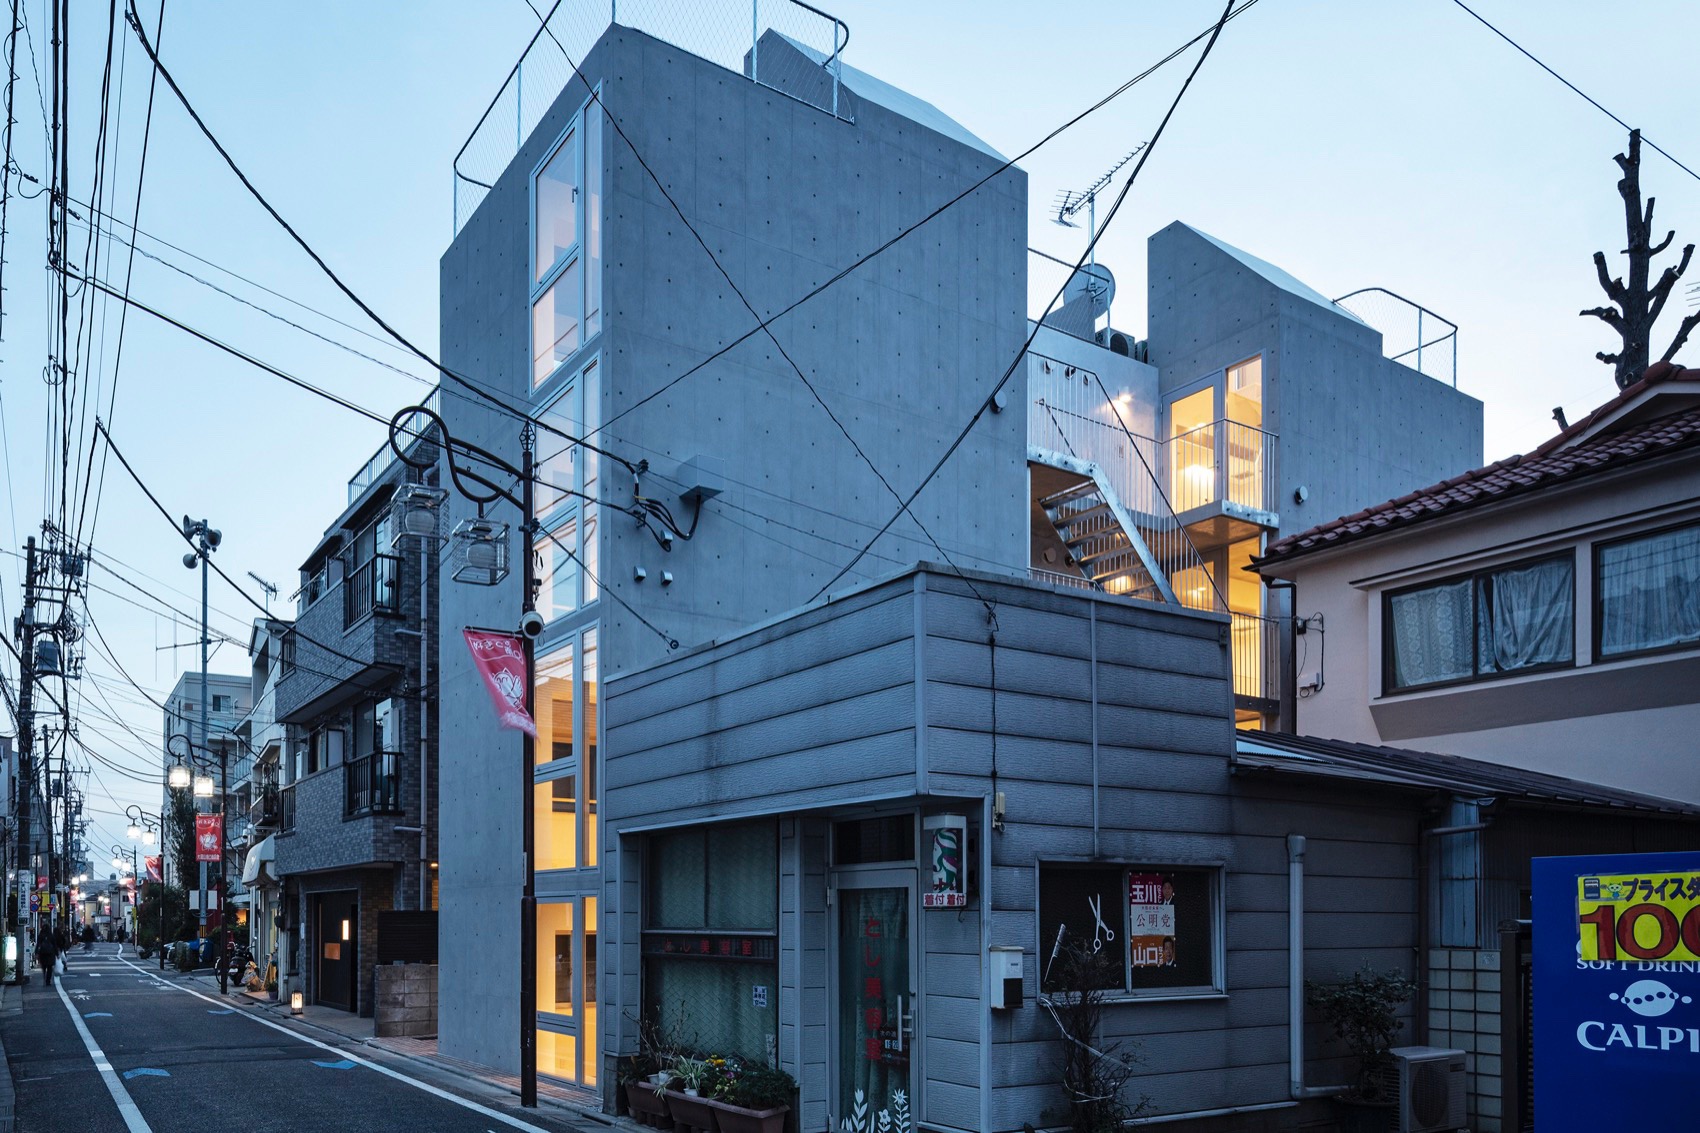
{"x":1428,"y":1082}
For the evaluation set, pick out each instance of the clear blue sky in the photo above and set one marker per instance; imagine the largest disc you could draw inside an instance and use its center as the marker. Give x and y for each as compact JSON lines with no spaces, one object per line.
{"x":1397,"y":144}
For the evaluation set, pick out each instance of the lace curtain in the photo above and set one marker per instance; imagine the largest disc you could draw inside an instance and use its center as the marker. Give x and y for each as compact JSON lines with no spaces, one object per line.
{"x":1433,"y":638}
{"x":1650,"y":592}
{"x":1526,"y":616}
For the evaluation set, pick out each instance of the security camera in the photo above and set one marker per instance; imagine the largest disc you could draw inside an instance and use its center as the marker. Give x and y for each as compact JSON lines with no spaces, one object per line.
{"x":531,"y":624}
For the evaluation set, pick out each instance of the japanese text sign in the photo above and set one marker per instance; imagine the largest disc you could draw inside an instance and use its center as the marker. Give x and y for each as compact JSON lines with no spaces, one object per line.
{"x":1151,"y":920}
{"x":947,"y":834}
{"x":500,"y":660}
{"x":209,"y":837}
{"x":1616,"y":979}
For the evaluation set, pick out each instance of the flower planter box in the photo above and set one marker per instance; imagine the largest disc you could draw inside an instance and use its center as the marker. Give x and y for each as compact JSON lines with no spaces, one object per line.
{"x":648,"y":1105}
{"x":736,"y":1119}
{"x":691,"y":1112}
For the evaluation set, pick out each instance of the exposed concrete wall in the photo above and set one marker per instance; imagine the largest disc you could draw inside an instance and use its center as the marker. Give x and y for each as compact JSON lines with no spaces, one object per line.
{"x":1576,"y":721}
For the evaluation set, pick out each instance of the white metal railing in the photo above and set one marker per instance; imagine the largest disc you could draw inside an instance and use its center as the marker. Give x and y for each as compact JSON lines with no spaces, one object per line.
{"x":1224,"y":461}
{"x":1411,"y":334}
{"x":1070,"y":412}
{"x":1256,"y":647}
{"x":735,"y":34}
{"x":384,"y":457}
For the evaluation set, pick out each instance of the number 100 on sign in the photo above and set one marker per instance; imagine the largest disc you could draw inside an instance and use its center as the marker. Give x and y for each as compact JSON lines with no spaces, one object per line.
{"x":1639,"y":916}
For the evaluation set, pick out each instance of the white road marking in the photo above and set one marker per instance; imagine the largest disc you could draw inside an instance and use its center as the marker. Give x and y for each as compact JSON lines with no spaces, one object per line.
{"x":493,"y":1114}
{"x":126,"y":1105}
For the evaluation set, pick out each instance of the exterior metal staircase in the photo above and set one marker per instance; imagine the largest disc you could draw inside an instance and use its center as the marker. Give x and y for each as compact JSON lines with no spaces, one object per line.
{"x":1102,"y":538}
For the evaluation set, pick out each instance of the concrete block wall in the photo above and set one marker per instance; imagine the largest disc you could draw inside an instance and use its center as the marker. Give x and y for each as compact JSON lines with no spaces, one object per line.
{"x":1464,"y":1014}
{"x":405,"y":1000}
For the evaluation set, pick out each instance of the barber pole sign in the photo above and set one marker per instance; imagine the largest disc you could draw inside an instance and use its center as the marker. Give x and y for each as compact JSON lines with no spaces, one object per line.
{"x":500,"y":660}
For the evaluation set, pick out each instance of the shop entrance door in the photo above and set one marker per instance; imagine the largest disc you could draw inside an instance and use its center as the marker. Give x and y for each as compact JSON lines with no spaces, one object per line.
{"x":874,"y":1003}
{"x":336,"y":936}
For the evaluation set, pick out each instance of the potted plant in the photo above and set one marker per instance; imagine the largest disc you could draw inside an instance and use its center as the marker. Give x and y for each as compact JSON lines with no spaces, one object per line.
{"x":644,"y":1099}
{"x":686,"y":1105}
{"x":1363,"y":1009}
{"x":756,"y":1100}
{"x":271,"y":989}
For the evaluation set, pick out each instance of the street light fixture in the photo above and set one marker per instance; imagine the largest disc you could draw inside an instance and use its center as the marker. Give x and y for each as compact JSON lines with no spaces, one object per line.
{"x":147,"y":823}
{"x":204,"y":786}
{"x":178,"y":777}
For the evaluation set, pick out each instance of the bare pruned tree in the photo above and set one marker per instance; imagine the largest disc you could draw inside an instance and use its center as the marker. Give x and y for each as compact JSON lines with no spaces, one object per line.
{"x":1637,"y":305}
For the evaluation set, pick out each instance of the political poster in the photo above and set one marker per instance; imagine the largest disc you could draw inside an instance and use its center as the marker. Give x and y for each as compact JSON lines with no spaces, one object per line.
{"x":1616,"y":990}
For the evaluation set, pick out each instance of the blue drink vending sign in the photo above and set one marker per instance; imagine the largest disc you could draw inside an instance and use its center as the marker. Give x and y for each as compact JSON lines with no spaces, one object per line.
{"x":1617,"y":991}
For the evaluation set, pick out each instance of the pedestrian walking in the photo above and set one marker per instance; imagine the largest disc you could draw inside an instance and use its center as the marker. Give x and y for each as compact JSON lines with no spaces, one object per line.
{"x":88,"y":938}
{"x":47,"y":955}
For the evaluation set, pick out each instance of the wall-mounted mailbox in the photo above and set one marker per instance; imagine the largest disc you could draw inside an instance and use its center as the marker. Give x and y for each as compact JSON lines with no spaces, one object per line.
{"x":1006,"y":976}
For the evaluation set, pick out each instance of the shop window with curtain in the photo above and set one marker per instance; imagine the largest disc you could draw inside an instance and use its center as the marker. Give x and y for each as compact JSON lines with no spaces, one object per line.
{"x":710,"y":940}
{"x":1160,"y":925}
{"x":566,"y":291}
{"x":1647,"y":593}
{"x":1492,"y":623}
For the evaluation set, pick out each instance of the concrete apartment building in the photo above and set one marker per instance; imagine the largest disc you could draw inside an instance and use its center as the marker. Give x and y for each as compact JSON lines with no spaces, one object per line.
{"x":229,"y":699}
{"x":1128,"y":477}
{"x":356,"y":803}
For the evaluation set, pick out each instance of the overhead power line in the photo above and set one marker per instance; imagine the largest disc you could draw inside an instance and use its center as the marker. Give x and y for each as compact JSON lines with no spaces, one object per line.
{"x":1527,"y":54}
{"x":1091,"y":246}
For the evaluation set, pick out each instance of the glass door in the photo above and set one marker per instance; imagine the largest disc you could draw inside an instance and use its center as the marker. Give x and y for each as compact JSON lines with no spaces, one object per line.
{"x":875,"y":1001}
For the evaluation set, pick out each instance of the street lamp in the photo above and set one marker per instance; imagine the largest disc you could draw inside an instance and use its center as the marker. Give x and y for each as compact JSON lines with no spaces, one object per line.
{"x":145,"y":824}
{"x":483,"y":552}
{"x":177,"y":778}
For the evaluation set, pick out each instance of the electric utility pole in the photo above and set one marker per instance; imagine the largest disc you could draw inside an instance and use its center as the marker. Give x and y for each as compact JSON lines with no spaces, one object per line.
{"x":25,"y":632}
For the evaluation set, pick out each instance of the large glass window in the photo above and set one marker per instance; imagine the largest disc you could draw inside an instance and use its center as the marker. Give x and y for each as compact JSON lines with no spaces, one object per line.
{"x":1648,"y":592}
{"x":566,"y":989}
{"x":569,"y":477}
{"x":567,"y":247}
{"x":564,"y":792}
{"x":1508,"y":620}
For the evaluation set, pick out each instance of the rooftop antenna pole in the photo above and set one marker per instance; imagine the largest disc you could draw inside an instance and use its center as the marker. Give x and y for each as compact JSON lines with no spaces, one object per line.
{"x":269,"y":588}
{"x":1071,"y":201}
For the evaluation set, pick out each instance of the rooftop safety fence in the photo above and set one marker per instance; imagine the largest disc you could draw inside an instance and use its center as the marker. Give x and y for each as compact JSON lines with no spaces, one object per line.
{"x":747,"y":37}
{"x":1411,"y":334}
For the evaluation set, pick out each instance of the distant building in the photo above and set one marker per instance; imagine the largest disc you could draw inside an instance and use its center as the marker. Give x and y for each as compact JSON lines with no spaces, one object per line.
{"x":1541,"y":612}
{"x":229,"y":698}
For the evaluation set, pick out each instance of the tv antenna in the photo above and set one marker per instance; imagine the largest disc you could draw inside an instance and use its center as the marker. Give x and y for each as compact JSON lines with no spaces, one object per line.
{"x":1070,"y":201}
{"x":269,"y":588}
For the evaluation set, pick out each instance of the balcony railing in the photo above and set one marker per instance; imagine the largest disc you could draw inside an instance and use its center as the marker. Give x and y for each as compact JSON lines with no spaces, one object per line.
{"x":372,"y":784}
{"x":1257,"y":656}
{"x":286,"y":807}
{"x":373,"y":587}
{"x":265,"y":810}
{"x":1222,"y":462}
{"x":384,"y":457}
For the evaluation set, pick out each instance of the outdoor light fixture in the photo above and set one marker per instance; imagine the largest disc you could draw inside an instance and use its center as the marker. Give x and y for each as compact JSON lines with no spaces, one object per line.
{"x":414,"y":510}
{"x":178,"y":777}
{"x":345,"y":928}
{"x":148,"y":838}
{"x":117,"y":863}
{"x":295,"y":1003}
{"x":134,"y":832}
{"x":480,"y":552}
{"x":203,"y":786}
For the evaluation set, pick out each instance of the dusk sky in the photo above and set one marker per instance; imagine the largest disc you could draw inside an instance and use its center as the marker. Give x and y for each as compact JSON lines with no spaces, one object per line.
{"x":1353,"y":144}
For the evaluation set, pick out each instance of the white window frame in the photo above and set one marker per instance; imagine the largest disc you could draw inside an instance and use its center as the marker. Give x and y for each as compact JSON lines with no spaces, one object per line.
{"x":573,"y":508}
{"x":576,"y":254}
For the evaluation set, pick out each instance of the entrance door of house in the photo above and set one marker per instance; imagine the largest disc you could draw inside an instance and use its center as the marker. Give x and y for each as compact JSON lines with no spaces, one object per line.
{"x":874,"y":1003}
{"x":336,"y":942}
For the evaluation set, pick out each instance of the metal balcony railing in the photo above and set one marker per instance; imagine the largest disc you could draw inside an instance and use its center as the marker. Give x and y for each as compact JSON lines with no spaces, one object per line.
{"x":735,"y":34}
{"x":1411,"y":334}
{"x":1223,"y":461}
{"x":384,"y":457}
{"x":286,"y":807}
{"x":1256,"y":647}
{"x":372,"y":784}
{"x":373,"y":587}
{"x":266,"y":809}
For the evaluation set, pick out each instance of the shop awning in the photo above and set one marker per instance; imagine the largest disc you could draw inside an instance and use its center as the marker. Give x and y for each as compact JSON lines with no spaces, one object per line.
{"x":257,"y":867}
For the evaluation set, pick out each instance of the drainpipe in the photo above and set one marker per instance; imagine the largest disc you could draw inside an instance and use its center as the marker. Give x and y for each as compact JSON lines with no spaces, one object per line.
{"x":1288,"y":720}
{"x":1296,"y":975}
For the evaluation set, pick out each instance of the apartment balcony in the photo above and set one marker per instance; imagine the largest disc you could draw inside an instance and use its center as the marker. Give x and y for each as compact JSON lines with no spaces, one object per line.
{"x":373,"y":588}
{"x":266,"y":809}
{"x":1221,"y":481}
{"x":1255,"y":642}
{"x":352,"y":638}
{"x":372,"y":784}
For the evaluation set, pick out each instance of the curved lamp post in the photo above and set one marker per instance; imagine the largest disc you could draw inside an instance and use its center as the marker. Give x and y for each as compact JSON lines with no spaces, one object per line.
{"x":144,"y":828}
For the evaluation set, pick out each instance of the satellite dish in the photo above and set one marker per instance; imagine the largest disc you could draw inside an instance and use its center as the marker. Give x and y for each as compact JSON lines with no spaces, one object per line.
{"x":1095,"y":285}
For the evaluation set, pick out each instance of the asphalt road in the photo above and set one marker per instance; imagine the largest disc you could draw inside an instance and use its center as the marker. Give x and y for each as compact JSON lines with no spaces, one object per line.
{"x":181,"y":1058}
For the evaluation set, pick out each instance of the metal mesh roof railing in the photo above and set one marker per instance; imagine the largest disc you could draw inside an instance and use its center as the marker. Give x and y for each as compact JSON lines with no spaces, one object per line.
{"x":787,"y":45}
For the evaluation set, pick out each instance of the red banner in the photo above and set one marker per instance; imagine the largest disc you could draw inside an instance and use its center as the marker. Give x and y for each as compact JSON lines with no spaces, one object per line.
{"x":500,"y":660}
{"x":209,"y":837}
{"x":152,"y":865}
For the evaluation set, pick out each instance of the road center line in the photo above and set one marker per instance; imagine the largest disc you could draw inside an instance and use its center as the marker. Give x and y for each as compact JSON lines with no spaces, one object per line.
{"x":126,"y":1105}
{"x":493,"y":1114}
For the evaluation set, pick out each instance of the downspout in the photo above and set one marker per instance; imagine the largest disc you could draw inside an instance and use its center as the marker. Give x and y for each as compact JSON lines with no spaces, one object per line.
{"x":1288,"y":720}
{"x":1296,"y":975}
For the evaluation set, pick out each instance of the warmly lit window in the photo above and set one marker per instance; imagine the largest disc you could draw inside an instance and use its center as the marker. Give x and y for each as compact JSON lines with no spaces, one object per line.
{"x":1487,"y":624}
{"x":566,"y":989}
{"x":1192,"y":450}
{"x":1245,"y":392}
{"x":1161,"y":925}
{"x":555,"y":956}
{"x":564,"y":795}
{"x":567,"y":247}
{"x":1648,"y":592}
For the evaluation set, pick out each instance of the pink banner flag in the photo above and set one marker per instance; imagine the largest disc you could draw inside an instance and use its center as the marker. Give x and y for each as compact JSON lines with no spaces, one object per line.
{"x":153,"y":868}
{"x":500,"y":659}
